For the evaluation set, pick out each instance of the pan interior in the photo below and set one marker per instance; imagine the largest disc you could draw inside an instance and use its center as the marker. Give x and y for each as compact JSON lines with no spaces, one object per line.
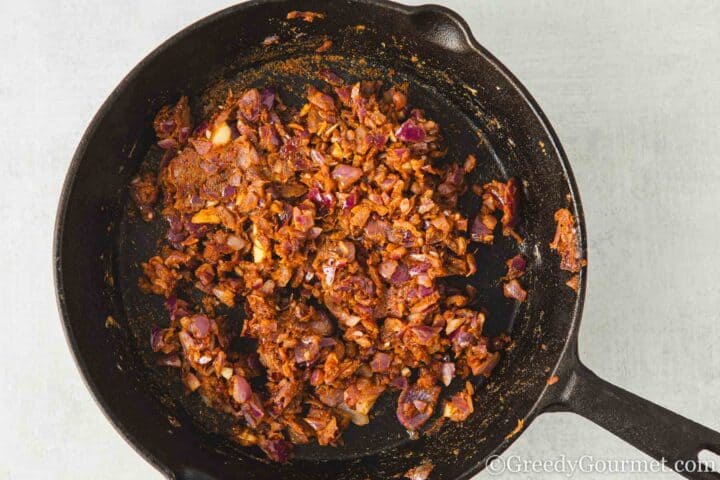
{"x":291,"y":76}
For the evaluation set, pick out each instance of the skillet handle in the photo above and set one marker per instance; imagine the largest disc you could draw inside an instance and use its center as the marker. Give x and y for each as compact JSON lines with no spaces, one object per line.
{"x":660,"y":433}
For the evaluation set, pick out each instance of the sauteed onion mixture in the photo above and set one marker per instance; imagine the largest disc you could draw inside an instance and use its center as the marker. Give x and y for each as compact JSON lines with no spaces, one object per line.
{"x":333,"y":227}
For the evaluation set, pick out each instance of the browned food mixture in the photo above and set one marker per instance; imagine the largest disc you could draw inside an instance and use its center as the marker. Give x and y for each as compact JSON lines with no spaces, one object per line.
{"x":332,"y":227}
{"x":495,"y":196}
{"x":324,"y":46}
{"x":565,"y":244}
{"x":308,"y":17}
{"x":574,"y":282}
{"x":421,"y":472}
{"x":516,"y":269}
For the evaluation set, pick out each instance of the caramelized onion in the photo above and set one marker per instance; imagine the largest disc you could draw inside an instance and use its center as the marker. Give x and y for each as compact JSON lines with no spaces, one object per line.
{"x":316,"y":242}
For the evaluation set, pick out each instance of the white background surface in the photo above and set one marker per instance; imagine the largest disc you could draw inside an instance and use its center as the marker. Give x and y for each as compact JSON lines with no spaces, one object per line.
{"x":632,"y":88}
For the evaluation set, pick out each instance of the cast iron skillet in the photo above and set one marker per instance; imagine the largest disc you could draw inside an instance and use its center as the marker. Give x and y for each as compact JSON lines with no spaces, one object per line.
{"x":482,"y":108}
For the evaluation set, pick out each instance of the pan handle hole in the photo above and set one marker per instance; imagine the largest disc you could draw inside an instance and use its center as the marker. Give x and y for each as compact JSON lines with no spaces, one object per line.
{"x":709,"y":461}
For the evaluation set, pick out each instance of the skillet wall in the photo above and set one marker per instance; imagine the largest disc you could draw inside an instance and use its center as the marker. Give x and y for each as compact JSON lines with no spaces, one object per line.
{"x":114,"y":146}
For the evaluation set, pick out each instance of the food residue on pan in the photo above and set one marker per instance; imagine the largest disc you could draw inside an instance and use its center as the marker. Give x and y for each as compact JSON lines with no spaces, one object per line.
{"x":111,"y":322}
{"x":421,"y":472}
{"x":173,"y":421}
{"x":308,"y":17}
{"x":332,"y":226}
{"x":518,"y":428}
{"x":565,"y":243}
{"x":511,"y":288}
{"x":473,"y":91}
{"x":496,"y":196}
{"x":574,"y":282}
{"x":553,"y":380}
{"x":460,"y":405}
{"x":271,"y":40}
{"x":324,"y":46}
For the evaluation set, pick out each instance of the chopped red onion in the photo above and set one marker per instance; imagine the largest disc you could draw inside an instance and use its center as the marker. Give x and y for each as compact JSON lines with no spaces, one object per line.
{"x":249,"y":105}
{"x":183,"y":135}
{"x":323,"y":201}
{"x":192,"y":382}
{"x":322,"y":325}
{"x":350,"y":201}
{"x":459,"y":407}
{"x":447,"y":372}
{"x":461,"y":339}
{"x":489,"y":365}
{"x":228,"y":192}
{"x":253,"y":410}
{"x":516,"y":267}
{"x":241,"y":390}
{"x":346,"y":175}
{"x":303,"y":218}
{"x":375,"y":228}
{"x":410,"y":131}
{"x":377,"y":140}
{"x":424,"y":291}
{"x":268,"y":137}
{"x":380,"y":362}
{"x":478,"y":230}
{"x":518,"y":262}
{"x":343,"y":94}
{"x":513,"y":289}
{"x":407,"y":413}
{"x":329,"y":271}
{"x":399,"y":382}
{"x":168,"y":144}
{"x":419,"y":269}
{"x":400,"y":275}
{"x":267,"y":97}
{"x":356,"y":417}
{"x":169,"y":361}
{"x":421,"y":472}
{"x":314,"y":233}
{"x":177,"y":308}
{"x":307,"y":351}
{"x":277,"y":449}
{"x":424,"y":334}
{"x":331,"y":77}
{"x":200,"y":326}
{"x":235,"y":242}
{"x":157,"y":340}
{"x":387,"y":269}
{"x":320,"y":99}
{"x":209,"y":167}
{"x":200,"y":129}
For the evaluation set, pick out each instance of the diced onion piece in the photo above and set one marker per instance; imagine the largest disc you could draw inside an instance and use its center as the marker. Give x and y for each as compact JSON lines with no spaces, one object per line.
{"x":192,"y":382}
{"x":221,"y":135}
{"x":259,"y":252}
{"x":206,"y":215}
